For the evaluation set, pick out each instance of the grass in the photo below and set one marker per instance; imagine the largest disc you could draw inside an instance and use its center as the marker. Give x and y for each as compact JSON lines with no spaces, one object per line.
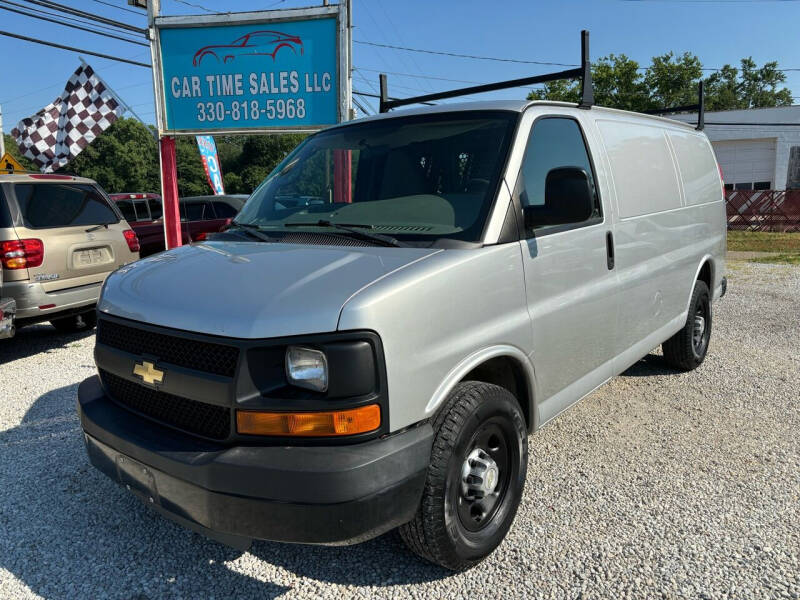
{"x":784,"y":258}
{"x":763,"y":241}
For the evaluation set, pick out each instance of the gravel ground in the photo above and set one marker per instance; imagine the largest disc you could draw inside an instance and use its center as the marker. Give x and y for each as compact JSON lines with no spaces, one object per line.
{"x":657,"y":485}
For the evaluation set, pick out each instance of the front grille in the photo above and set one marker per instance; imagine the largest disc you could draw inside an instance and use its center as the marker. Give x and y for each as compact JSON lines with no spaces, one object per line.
{"x":191,"y":416}
{"x":208,"y":357}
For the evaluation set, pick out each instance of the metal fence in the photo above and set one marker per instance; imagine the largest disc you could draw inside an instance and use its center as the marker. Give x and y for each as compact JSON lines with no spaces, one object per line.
{"x":763,"y":210}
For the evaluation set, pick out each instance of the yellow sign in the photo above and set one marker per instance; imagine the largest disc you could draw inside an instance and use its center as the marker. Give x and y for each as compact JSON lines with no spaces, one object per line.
{"x":9,"y":164}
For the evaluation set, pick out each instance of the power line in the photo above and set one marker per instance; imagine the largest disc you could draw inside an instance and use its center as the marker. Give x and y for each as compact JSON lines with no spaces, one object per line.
{"x":418,"y":76}
{"x":398,"y":36}
{"x":357,"y":93}
{"x":378,"y":28}
{"x":85,"y":15}
{"x":57,"y":22}
{"x":472,"y":56}
{"x":72,"y":49}
{"x":519,"y":60}
{"x":200,"y":6}
{"x":137,"y":13}
{"x":66,"y":18}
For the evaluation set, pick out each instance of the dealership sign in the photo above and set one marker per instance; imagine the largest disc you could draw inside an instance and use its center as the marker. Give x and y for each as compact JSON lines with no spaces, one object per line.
{"x":280,"y":70}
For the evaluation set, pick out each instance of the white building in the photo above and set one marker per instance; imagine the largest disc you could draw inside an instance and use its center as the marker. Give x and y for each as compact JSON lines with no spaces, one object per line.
{"x":757,"y":148}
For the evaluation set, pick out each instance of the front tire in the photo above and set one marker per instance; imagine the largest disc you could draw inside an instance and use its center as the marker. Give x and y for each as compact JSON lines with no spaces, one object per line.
{"x":686,"y":350}
{"x":75,"y":323}
{"x":475,"y":479}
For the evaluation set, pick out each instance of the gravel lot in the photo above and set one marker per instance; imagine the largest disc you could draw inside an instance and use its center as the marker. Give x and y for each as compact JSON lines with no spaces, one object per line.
{"x":657,"y":485}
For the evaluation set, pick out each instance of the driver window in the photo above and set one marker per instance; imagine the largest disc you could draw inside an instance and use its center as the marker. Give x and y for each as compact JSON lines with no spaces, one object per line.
{"x":554,"y":142}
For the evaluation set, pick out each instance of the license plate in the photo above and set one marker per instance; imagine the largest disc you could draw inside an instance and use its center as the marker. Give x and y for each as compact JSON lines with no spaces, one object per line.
{"x":92,"y":256}
{"x":137,"y":478}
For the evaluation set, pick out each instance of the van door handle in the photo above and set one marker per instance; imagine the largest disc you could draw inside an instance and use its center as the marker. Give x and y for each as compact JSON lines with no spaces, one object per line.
{"x":610,"y":250}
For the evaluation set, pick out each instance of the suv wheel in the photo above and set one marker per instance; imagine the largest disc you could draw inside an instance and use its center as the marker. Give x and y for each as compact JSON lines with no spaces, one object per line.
{"x":475,"y":480}
{"x":76,"y":323}
{"x":687,"y":349}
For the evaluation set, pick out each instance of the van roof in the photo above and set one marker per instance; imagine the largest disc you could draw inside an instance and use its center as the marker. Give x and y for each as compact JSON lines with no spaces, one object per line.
{"x":514,"y":106}
{"x":29,"y":177}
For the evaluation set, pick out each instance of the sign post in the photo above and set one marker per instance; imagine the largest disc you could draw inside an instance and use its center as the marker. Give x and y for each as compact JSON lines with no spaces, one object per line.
{"x":278,"y":71}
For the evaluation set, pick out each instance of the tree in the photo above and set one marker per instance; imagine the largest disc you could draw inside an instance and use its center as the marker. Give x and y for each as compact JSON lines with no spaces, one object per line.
{"x":616,"y":80}
{"x":124,"y":158}
{"x":750,"y":87}
{"x":672,"y":80}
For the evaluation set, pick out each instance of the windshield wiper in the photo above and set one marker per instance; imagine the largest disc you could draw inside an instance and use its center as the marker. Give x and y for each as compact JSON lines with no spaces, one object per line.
{"x":355,"y":229}
{"x":96,"y":227}
{"x":252,"y":229}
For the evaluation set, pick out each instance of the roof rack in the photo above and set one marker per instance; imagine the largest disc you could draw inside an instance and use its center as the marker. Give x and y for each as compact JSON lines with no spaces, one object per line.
{"x":700,"y":107}
{"x":584,"y":73}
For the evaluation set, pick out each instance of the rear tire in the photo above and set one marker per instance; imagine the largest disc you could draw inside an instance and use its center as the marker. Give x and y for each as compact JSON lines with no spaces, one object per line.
{"x":76,"y":323}
{"x":687,"y":349}
{"x":475,"y":479}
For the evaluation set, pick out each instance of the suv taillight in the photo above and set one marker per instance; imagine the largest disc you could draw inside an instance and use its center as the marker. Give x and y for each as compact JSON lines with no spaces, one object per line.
{"x":22,"y":254}
{"x":133,"y":241}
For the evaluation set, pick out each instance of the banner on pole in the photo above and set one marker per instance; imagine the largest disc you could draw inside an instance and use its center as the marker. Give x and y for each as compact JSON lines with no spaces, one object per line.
{"x":208,"y":154}
{"x":281,"y":70}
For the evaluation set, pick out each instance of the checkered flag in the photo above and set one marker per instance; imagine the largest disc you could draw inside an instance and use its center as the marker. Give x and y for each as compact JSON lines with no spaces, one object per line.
{"x":57,"y":133}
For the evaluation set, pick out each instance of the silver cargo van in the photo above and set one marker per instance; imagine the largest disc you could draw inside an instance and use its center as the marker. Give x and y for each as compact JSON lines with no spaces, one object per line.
{"x":397,"y":307}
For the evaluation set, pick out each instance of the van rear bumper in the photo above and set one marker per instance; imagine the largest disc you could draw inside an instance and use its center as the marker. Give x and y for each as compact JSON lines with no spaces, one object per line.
{"x":333,"y":494}
{"x":30,"y":296}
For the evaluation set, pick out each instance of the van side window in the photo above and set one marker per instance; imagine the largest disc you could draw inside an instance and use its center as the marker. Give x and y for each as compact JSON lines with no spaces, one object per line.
{"x":554,"y":142}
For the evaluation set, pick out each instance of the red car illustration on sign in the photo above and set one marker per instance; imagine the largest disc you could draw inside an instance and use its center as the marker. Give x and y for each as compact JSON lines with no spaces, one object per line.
{"x":255,"y":43}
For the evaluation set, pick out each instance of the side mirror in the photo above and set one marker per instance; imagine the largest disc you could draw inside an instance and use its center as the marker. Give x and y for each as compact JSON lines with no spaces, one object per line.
{"x":568,"y":198}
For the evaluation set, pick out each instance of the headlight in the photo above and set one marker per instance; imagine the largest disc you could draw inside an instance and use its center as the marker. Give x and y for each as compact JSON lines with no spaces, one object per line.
{"x":307,"y":368}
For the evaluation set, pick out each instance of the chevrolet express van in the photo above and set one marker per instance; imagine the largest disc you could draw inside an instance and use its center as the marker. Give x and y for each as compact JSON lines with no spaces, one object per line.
{"x":398,"y":306}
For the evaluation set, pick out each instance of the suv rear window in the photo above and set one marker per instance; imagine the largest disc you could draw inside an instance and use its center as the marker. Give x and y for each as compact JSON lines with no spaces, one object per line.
{"x":5,"y":215}
{"x":51,"y":205}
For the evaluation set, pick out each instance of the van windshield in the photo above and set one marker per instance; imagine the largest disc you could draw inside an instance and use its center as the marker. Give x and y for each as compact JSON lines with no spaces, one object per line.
{"x":48,"y":205}
{"x":412,"y":178}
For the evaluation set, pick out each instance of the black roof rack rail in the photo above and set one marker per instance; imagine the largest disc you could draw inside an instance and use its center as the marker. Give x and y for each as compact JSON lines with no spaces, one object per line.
{"x":700,"y":107}
{"x":584,"y":73}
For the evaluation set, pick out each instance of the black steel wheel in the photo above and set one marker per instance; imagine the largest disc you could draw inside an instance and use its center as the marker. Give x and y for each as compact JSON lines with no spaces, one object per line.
{"x":475,"y":480}
{"x":687,"y":349}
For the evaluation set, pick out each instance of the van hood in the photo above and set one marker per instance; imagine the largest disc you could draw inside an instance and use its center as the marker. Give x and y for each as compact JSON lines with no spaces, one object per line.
{"x":249,"y":290}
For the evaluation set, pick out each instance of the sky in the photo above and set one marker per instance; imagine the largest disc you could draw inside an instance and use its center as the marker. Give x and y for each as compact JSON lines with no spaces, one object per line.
{"x":718,"y":31}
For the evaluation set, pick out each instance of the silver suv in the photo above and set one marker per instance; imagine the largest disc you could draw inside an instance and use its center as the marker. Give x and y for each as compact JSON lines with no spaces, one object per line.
{"x":396,"y":308}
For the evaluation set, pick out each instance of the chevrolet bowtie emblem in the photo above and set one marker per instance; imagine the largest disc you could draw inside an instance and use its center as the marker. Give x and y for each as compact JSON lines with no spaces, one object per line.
{"x":148,"y":372}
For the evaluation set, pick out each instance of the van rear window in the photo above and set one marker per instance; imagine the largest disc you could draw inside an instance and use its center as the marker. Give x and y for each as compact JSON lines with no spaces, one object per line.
{"x":49,"y":205}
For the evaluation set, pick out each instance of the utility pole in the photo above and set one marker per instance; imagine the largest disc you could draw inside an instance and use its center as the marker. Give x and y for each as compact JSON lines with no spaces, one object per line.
{"x":2,"y":137}
{"x":166,"y":146}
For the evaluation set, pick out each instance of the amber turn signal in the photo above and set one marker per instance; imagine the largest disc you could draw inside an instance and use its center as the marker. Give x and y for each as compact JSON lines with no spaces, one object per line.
{"x":308,"y":424}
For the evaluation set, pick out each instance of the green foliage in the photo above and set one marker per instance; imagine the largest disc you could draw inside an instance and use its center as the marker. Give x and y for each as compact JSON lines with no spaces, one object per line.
{"x":671,"y":80}
{"x":125,"y":159}
{"x":750,"y":87}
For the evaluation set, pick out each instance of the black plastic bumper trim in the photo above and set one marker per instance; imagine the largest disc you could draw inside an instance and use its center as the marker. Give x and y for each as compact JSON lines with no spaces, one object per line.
{"x":306,"y":494}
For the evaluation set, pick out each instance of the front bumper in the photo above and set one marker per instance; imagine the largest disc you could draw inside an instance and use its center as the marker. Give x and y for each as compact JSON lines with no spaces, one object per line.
{"x":309,"y":494}
{"x":30,"y":296}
